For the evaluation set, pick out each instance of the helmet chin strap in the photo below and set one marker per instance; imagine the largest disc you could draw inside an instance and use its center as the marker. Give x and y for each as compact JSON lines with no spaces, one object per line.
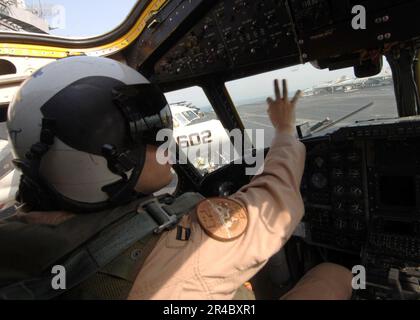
{"x":123,"y":191}
{"x":36,"y":193}
{"x":32,"y":190}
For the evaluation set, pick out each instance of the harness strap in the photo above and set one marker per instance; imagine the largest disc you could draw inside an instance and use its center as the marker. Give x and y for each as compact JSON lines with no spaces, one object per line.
{"x":115,"y":281}
{"x":151,"y":217}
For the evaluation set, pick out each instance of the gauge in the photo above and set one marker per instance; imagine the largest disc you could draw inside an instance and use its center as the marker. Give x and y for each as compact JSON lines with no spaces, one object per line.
{"x":319,"y":181}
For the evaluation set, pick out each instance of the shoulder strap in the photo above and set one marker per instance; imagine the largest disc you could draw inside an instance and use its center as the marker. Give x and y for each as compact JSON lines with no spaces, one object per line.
{"x":114,"y":281}
{"x":152,"y":217}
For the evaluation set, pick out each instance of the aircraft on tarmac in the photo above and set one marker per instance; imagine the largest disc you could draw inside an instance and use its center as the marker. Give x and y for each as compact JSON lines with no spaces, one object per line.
{"x":198,"y":135}
{"x":347,"y":85}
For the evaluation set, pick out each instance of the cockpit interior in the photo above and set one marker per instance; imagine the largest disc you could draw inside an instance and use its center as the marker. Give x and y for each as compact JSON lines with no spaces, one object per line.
{"x":361,"y":185}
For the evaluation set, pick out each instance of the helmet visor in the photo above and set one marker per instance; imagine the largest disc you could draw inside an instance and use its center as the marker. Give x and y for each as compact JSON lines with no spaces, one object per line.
{"x":146,"y":110}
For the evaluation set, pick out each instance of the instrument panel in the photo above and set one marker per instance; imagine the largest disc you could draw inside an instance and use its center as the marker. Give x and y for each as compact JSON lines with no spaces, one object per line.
{"x":361,"y":189}
{"x":231,"y":39}
{"x":233,"y":34}
{"x":334,"y":191}
{"x":362,"y":183}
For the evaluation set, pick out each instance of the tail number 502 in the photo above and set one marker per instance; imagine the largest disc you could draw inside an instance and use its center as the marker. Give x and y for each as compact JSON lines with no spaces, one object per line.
{"x":194,"y":139}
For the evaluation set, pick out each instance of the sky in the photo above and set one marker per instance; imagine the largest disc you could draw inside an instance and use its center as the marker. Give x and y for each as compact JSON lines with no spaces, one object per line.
{"x":84,"y":18}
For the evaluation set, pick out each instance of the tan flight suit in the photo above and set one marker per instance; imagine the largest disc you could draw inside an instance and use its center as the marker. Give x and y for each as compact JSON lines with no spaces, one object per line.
{"x":205,"y":268}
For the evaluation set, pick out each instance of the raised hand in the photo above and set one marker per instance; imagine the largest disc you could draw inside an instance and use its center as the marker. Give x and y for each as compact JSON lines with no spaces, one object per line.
{"x":281,"y":110}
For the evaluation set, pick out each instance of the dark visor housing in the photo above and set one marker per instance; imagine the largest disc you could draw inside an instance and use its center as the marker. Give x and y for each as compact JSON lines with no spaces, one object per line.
{"x":146,"y":110}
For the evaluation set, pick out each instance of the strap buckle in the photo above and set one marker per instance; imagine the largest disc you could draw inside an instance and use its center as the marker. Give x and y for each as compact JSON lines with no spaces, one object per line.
{"x":165,"y":220}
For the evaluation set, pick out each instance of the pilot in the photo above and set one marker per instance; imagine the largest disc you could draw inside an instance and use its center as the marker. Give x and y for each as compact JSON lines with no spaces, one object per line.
{"x":83,"y":132}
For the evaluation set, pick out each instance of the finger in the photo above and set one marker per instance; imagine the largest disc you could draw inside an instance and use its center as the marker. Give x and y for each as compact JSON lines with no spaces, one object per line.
{"x":270,"y":101}
{"x":277,"y":89}
{"x":285,"y":90}
{"x":297,"y":96}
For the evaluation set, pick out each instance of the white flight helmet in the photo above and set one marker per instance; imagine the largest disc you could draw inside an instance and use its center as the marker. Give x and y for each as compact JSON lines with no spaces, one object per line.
{"x":79,"y":129}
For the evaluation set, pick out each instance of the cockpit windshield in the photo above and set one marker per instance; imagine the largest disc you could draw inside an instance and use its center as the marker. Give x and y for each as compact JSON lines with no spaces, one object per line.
{"x":190,"y":115}
{"x":330,"y":98}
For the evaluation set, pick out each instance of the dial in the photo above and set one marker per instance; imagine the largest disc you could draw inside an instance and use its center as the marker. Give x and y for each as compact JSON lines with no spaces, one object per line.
{"x":319,"y":181}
